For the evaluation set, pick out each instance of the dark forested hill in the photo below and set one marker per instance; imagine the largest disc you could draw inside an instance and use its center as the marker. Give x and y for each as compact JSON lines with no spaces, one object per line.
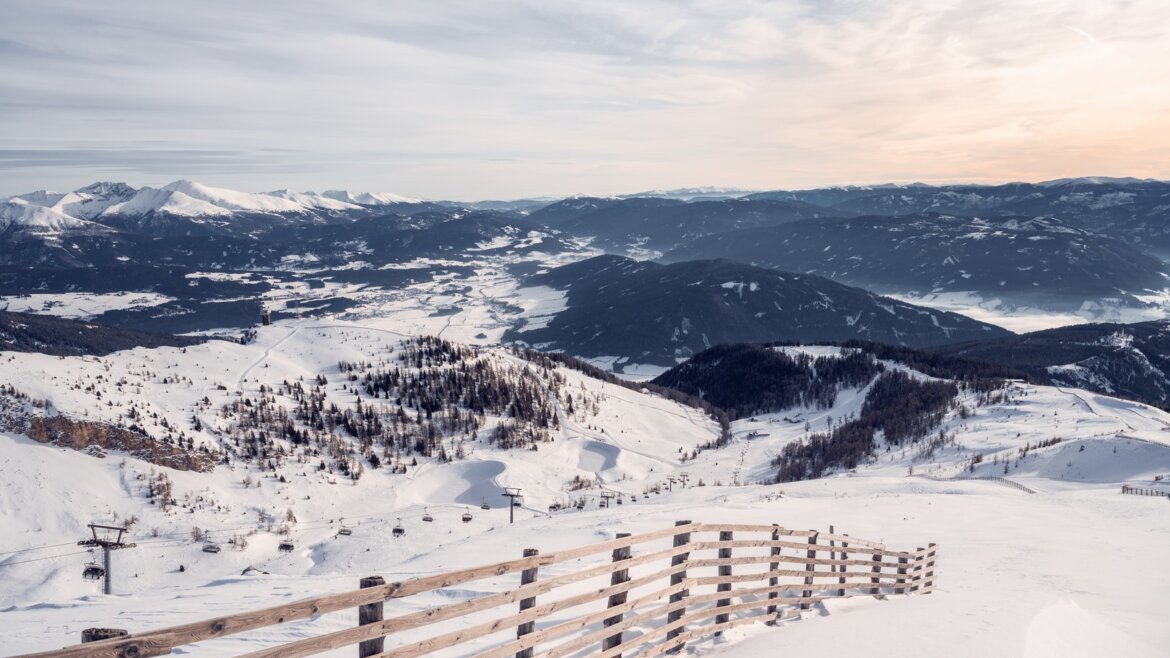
{"x":1042,"y":262}
{"x":25,"y":332}
{"x":653,"y":313}
{"x":1128,"y":360}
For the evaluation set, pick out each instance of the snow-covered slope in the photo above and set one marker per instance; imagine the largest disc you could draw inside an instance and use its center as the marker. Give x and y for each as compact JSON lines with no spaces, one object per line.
{"x":150,"y":200}
{"x":368,"y":198}
{"x":20,"y":215}
{"x":607,"y":437}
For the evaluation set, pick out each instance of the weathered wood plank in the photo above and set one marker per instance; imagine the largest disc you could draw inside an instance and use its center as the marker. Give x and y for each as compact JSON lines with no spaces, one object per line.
{"x":620,"y":576}
{"x":681,"y":539}
{"x":371,"y":613}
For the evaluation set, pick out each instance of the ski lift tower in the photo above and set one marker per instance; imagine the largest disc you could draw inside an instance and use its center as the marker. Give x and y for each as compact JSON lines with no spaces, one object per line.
{"x":110,"y":540}
{"x":512,"y":493}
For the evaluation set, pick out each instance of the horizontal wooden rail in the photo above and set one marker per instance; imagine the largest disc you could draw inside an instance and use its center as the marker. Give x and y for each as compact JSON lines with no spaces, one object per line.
{"x":666,"y":594}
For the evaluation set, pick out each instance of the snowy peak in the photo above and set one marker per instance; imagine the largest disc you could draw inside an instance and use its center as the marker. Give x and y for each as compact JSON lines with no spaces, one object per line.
{"x":313,"y":200}
{"x":150,"y":200}
{"x":232,"y":200}
{"x":20,"y":215}
{"x":38,"y":198}
{"x":184,"y":198}
{"x":92,"y":200}
{"x":368,"y":198}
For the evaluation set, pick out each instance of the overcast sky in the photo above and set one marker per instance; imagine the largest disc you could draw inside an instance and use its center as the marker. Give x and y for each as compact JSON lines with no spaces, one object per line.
{"x":484,"y":99}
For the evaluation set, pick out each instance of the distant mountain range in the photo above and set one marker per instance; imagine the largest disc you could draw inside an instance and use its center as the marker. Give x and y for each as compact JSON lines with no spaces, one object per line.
{"x":1042,"y":261}
{"x":660,"y":314}
{"x":1064,"y":245}
{"x":651,"y":225}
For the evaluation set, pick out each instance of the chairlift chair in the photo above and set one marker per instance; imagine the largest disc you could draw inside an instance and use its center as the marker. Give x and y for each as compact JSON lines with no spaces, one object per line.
{"x":427,"y":516}
{"x":484,"y":504}
{"x":92,"y":570}
{"x":344,"y":532}
{"x":466,"y":516}
{"x":210,"y":547}
{"x":286,"y":547}
{"x":398,"y":529}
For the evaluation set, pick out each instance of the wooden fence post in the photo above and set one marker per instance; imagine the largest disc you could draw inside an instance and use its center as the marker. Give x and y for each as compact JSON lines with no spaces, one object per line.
{"x":808,"y":580}
{"x":620,"y":576}
{"x":900,"y":583}
{"x":876,"y":581}
{"x":371,"y":613}
{"x":527,"y":577}
{"x":916,"y":570}
{"x":97,"y":634}
{"x":832,"y":553}
{"x":676,"y":578}
{"x":724,"y":570}
{"x":928,"y":576}
{"x":773,"y":567}
{"x":844,"y":556}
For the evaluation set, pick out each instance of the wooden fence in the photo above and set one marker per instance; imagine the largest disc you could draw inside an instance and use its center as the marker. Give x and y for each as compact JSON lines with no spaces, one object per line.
{"x":1138,"y":491}
{"x":987,"y":478}
{"x":647,"y":594}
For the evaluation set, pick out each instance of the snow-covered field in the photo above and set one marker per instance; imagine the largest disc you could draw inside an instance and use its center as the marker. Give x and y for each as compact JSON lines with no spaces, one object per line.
{"x":80,"y":304}
{"x":1023,"y":319}
{"x":1051,"y":573}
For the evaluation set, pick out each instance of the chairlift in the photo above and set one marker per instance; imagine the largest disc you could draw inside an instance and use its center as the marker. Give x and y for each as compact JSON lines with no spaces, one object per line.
{"x":92,"y":570}
{"x":398,"y":529}
{"x":210,"y":547}
{"x":286,"y":547}
{"x":467,"y":516}
{"x":484,"y":504}
{"x":344,"y":532}
{"x":427,"y":516}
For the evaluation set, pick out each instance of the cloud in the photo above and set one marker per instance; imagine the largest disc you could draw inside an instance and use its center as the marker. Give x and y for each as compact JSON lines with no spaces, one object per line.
{"x":513,"y":97}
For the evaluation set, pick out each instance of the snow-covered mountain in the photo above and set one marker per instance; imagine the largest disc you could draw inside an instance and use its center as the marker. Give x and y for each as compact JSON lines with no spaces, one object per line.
{"x":643,"y":312}
{"x":368,"y":198}
{"x":103,"y":201}
{"x":20,"y":216}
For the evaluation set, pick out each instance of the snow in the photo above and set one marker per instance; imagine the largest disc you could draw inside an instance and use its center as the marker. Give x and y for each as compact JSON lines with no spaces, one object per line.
{"x":185,"y":198}
{"x":231,"y":199}
{"x":313,"y":200}
{"x":1020,"y":575}
{"x":368,"y":198}
{"x":541,"y":304}
{"x":39,"y":219}
{"x":1021,"y":318}
{"x":80,"y":305}
{"x":149,"y":200}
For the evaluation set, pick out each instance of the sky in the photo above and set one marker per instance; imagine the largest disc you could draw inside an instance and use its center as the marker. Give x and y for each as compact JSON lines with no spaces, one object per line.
{"x":503,"y":99}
